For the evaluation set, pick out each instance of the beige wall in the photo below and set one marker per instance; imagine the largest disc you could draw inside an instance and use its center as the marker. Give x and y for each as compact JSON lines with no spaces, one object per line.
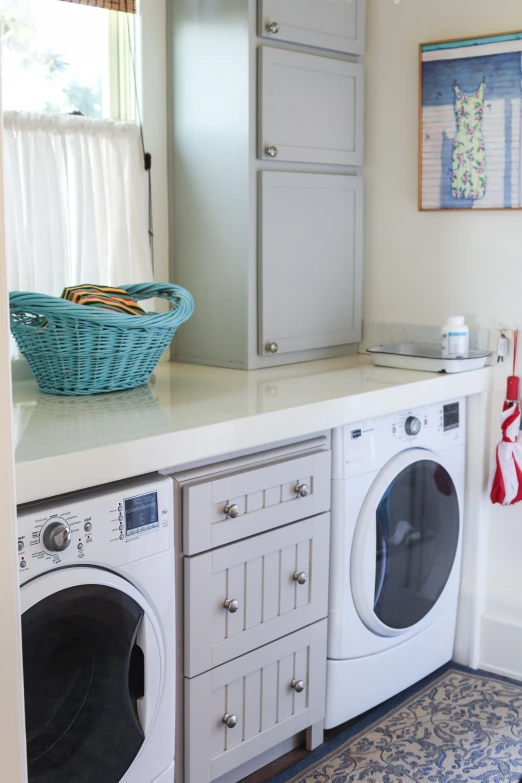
{"x":431,"y":264}
{"x":421,"y":267}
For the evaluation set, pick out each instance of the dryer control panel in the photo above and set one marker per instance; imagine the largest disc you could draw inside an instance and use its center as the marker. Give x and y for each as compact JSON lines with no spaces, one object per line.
{"x":109,"y":527}
{"x":366,"y":446}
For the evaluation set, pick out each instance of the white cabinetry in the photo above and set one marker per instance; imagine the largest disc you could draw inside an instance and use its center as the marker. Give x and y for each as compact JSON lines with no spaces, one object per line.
{"x":254,"y":581}
{"x":310,"y":260}
{"x":340,"y":28}
{"x":238,"y":90}
{"x":311,"y":108}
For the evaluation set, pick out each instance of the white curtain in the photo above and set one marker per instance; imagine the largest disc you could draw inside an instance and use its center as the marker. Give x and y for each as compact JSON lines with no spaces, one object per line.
{"x":76,"y":202}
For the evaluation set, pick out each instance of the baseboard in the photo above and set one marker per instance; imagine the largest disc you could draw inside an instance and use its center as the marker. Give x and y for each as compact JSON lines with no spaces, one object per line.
{"x":501,"y":642}
{"x":263,"y":759}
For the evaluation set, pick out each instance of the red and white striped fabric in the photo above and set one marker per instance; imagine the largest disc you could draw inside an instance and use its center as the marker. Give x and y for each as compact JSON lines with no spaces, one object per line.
{"x":506,"y":487}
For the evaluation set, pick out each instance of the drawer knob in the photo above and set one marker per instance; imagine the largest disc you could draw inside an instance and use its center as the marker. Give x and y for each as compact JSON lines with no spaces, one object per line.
{"x":271,"y":152}
{"x":272,"y":27}
{"x":232,"y":511}
{"x":298,"y":686}
{"x":230,"y":721}
{"x":272,"y":347}
{"x":301,"y":577}
{"x":232,"y":605}
{"x":302,"y":490}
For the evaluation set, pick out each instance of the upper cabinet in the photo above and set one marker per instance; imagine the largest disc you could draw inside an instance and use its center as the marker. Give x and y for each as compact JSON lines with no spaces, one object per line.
{"x":337,"y":25}
{"x":311,"y":108}
{"x":310,"y":261}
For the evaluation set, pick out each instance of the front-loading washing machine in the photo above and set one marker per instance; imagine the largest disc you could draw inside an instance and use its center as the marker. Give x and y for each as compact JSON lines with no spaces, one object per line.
{"x":98,"y":634}
{"x":397,"y":512}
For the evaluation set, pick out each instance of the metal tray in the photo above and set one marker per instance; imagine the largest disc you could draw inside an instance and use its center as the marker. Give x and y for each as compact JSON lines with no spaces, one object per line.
{"x":429,"y":358}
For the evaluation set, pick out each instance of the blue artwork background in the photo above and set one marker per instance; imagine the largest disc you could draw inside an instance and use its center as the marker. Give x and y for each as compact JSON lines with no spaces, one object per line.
{"x":503,"y":73}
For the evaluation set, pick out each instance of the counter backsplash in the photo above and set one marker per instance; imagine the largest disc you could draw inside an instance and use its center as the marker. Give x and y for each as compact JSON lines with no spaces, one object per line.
{"x":375,"y":333}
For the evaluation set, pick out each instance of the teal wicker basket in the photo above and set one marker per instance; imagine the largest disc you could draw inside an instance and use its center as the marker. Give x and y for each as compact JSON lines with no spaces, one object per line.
{"x":74,"y":349}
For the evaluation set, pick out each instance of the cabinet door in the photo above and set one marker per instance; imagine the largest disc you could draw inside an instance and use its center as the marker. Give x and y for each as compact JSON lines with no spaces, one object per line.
{"x":311,"y":108}
{"x":223,"y":509}
{"x":310,"y":263}
{"x":276,"y":583}
{"x":257,"y":693}
{"x":329,"y":24}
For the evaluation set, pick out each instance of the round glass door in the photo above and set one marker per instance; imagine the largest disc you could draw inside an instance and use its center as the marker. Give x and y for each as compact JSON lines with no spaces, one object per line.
{"x":408,"y":536}
{"x":84,"y":675}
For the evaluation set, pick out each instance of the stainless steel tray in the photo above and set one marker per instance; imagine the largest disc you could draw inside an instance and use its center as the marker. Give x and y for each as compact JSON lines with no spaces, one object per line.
{"x":419,"y":356}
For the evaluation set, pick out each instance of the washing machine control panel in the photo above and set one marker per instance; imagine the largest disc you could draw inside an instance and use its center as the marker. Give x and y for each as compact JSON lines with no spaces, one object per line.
{"x":363,"y":447}
{"x":108,"y":527}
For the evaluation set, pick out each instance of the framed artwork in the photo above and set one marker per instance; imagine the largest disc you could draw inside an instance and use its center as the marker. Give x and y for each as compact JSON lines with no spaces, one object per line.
{"x":470,"y":123}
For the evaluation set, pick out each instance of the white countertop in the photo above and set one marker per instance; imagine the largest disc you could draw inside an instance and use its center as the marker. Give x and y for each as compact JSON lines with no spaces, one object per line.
{"x":190,"y":413}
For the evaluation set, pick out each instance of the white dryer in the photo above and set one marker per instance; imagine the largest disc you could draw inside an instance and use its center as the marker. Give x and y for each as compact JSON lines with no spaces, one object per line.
{"x":98,"y":634}
{"x":397,"y":510}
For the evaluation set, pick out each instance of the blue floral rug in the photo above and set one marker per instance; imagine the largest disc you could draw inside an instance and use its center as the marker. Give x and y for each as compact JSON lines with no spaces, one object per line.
{"x":463,"y":726}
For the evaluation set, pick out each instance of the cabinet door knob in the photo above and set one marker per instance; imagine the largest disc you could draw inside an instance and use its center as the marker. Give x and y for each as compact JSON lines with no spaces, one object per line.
{"x":232,"y":605}
{"x":232,"y":511}
{"x":230,"y":721}
{"x":272,"y":347}
{"x":271,"y":152}
{"x":298,"y":686}
{"x":272,"y":27}
{"x":302,"y":490}
{"x":301,"y":577}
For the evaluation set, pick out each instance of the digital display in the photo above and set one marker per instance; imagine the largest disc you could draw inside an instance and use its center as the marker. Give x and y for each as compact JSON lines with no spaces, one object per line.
{"x":451,"y":416}
{"x":141,"y":513}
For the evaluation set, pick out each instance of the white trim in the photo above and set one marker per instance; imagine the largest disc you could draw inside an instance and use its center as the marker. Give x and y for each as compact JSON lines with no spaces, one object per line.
{"x":12,"y":719}
{"x":465,"y":52}
{"x":151,"y":62}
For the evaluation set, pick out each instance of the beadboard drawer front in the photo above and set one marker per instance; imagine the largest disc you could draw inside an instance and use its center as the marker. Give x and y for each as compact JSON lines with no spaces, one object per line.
{"x":257,"y":690}
{"x":261,"y":575}
{"x":311,"y":108}
{"x":337,"y":25}
{"x":265,"y":497}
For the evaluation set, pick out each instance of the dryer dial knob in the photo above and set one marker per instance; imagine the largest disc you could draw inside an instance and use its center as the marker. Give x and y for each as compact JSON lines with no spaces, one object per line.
{"x":412,"y":426}
{"x":57,"y":536}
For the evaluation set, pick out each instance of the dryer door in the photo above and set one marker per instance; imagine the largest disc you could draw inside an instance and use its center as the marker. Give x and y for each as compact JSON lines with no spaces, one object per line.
{"x":92,"y":656}
{"x":405,"y":543}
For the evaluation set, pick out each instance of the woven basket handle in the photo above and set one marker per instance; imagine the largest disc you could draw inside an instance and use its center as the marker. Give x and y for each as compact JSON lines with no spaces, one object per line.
{"x":45,"y":306}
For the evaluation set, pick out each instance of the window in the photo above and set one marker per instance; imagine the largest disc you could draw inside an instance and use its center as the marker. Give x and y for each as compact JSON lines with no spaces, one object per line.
{"x":62,"y":58}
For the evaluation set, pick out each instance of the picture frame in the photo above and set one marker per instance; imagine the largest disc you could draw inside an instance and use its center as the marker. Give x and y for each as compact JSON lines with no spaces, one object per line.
{"x":470,"y":129}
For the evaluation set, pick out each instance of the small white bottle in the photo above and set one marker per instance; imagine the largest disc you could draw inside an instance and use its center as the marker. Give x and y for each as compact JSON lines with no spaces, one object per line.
{"x":455,"y":337}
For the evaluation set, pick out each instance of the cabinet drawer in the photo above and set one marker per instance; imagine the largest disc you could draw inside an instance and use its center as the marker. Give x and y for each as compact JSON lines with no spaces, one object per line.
{"x":310,"y":260}
{"x":261,"y":575}
{"x":337,"y":25}
{"x":263,"y":498}
{"x":311,"y":108}
{"x":257,"y":690}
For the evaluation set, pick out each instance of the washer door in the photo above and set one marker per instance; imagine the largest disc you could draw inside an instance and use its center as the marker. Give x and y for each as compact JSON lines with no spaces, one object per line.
{"x":92,"y":674}
{"x":405,"y":543}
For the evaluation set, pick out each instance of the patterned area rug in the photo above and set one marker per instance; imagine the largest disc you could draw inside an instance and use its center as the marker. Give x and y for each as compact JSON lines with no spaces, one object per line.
{"x":462,"y":727}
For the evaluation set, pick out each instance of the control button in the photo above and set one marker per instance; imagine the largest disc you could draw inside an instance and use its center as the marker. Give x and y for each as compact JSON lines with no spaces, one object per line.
{"x":87,"y":527}
{"x":20,"y":546}
{"x":394,"y":429}
{"x":121,"y":527}
{"x":57,"y":536}
{"x":120,"y":507}
{"x":120,"y":518}
{"x":425,"y":422}
{"x":121,"y":536}
{"x":22,"y":564}
{"x":80,"y":546}
{"x":412,"y":426}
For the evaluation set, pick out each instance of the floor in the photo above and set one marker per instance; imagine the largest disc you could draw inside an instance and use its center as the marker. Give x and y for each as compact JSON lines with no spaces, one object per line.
{"x":280,"y":765}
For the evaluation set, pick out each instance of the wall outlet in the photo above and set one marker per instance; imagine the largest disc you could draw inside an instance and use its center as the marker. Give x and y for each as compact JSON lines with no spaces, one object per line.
{"x":508,"y":324}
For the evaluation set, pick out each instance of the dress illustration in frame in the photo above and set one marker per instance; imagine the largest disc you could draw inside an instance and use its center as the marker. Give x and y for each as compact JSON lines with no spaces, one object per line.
{"x":470,"y":123}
